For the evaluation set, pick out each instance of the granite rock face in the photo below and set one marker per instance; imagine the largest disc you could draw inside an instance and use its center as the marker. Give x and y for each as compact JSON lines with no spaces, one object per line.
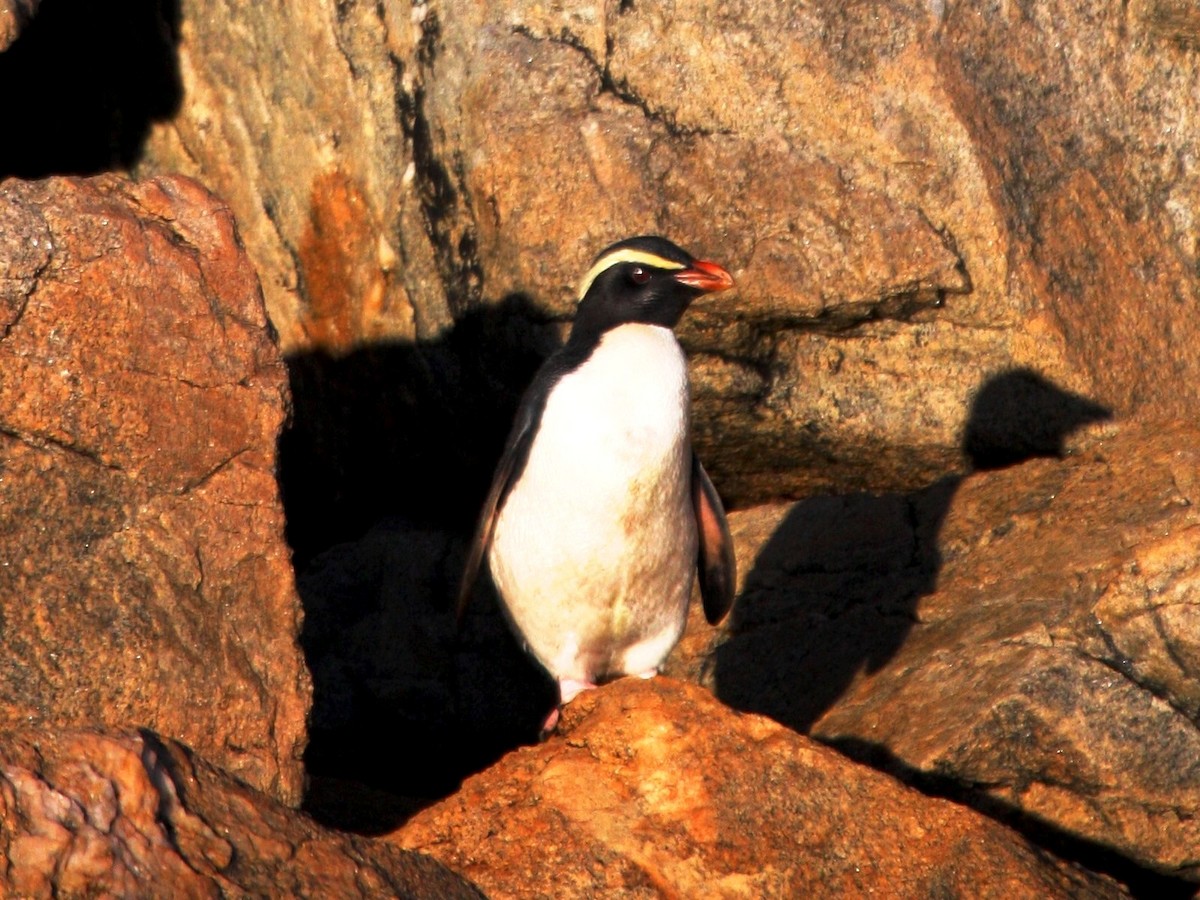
{"x":88,"y":813}
{"x":914,"y":197}
{"x":654,"y":789}
{"x":1024,"y":639}
{"x":144,"y":580}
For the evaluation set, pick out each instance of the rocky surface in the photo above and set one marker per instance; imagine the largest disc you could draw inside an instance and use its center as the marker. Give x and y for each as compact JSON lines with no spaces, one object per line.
{"x":655,"y":789}
{"x":85,"y":813}
{"x":1024,"y":639}
{"x":14,"y":16}
{"x":913,"y":197}
{"x":1020,"y":641}
{"x":144,"y":580}
{"x":964,"y":239}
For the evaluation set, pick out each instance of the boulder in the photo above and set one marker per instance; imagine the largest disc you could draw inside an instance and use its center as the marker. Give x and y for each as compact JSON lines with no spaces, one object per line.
{"x":654,"y":789}
{"x":1024,"y":640}
{"x":144,"y":579}
{"x":123,"y":814}
{"x":912,"y":200}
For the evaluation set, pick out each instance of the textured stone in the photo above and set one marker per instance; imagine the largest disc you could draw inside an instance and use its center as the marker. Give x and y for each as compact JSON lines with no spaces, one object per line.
{"x":14,"y":16}
{"x":1025,"y":639}
{"x":144,"y":580}
{"x":652,"y":789}
{"x":913,"y":196}
{"x":315,"y":106}
{"x":85,"y":813}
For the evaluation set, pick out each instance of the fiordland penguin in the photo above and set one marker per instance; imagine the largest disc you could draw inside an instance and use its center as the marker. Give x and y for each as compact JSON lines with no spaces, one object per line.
{"x":599,"y":515}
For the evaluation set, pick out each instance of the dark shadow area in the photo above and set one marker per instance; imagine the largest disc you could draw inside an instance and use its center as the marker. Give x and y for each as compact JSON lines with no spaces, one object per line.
{"x":1020,"y":415}
{"x":83,"y":83}
{"x":383,"y":469}
{"x":1093,"y":855}
{"x":402,"y":429}
{"x":836,"y":588}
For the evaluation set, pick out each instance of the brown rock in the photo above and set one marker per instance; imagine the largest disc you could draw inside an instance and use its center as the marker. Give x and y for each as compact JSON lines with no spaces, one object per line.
{"x":84,"y":813}
{"x":324,"y":178}
{"x":144,"y":580}
{"x":14,"y":16}
{"x":910,"y":206}
{"x":654,"y":789}
{"x":1025,"y":639}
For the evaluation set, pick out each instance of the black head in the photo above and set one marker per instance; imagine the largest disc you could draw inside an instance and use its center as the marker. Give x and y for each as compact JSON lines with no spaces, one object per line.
{"x":642,"y":279}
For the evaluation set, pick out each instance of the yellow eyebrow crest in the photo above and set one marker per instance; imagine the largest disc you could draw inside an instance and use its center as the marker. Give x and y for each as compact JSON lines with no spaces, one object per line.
{"x":626,"y":255}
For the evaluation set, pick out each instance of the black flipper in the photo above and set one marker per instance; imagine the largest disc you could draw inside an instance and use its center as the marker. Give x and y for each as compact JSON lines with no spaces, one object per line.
{"x":507,"y":471}
{"x":512,"y":461}
{"x":716,"y":564}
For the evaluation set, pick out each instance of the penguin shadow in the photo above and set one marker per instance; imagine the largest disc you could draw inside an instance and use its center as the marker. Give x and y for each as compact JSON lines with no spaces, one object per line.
{"x":383,"y":468}
{"x":835,"y":590}
{"x":84,"y":82}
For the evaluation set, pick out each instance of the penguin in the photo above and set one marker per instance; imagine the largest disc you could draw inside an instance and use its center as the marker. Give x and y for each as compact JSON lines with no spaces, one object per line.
{"x":600,"y":517}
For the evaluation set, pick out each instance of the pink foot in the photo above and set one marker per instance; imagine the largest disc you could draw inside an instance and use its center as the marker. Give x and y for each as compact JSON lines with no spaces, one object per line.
{"x":568,"y":690}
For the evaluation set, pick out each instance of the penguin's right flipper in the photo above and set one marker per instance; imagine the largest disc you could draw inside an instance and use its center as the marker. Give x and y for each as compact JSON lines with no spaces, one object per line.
{"x":716,"y":565}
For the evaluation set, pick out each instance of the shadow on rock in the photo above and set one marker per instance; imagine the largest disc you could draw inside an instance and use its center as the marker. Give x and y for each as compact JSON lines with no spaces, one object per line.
{"x":835,"y":590}
{"x":84,"y":82}
{"x":383,"y":470}
{"x":1093,"y":855}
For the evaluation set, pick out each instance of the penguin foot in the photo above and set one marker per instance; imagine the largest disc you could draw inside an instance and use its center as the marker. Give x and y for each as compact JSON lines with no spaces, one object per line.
{"x":568,"y":690}
{"x":549,"y":725}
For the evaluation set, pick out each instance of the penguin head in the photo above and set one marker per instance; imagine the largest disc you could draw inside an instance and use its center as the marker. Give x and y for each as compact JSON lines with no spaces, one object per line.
{"x":644,"y":280}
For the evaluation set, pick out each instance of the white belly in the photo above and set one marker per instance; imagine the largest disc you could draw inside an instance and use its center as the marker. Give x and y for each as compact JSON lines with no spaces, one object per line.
{"x":594,"y":550}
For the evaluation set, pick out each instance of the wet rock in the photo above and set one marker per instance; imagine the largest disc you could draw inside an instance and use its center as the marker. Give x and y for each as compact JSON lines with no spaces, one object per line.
{"x":144,"y":580}
{"x":653,"y":788}
{"x":87,"y":813}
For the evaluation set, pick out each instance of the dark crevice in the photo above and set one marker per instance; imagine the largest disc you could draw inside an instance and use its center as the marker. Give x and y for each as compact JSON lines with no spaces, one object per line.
{"x":1122,"y":665}
{"x":84,"y":82}
{"x":43,"y":440}
{"x":208,"y":476}
{"x":619,"y":88}
{"x":440,"y":185}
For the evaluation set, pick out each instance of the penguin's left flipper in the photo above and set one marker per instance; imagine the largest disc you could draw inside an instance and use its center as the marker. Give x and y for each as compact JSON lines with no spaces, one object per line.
{"x":716,"y":563}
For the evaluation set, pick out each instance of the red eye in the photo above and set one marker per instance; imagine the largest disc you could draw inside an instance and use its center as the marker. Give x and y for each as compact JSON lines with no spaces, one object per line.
{"x":638,"y":275}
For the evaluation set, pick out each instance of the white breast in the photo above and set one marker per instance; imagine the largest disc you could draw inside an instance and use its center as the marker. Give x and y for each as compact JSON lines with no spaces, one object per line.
{"x":595,"y":547}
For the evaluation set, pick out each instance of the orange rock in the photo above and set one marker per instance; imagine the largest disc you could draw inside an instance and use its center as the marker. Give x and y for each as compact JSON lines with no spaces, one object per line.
{"x":1025,"y":639}
{"x":653,"y":788}
{"x":144,"y":579}
{"x":86,"y":813}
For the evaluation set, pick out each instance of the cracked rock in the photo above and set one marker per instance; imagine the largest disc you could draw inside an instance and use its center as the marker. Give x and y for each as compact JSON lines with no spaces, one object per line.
{"x":144,"y":579}
{"x":653,"y":788}
{"x":1024,"y":640}
{"x":913,"y":198}
{"x":86,"y":813}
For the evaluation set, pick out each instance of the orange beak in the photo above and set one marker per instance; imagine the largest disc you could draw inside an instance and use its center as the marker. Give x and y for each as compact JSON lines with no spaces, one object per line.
{"x":705,"y":276}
